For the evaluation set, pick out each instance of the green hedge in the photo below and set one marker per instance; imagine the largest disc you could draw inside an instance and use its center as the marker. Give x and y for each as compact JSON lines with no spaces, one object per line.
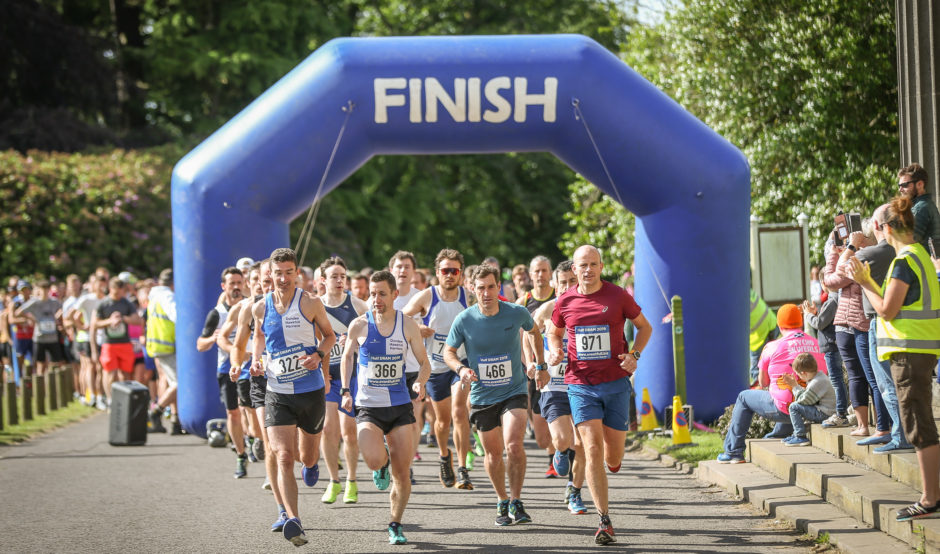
{"x":65,"y":213}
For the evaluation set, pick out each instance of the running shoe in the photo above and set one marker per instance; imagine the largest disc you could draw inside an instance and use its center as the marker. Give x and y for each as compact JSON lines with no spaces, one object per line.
{"x":471,"y":455}
{"x":432,"y":441}
{"x":560,"y":462}
{"x":426,"y":430}
{"x":569,"y":490}
{"x":517,"y":512}
{"x":311,"y":475}
{"x":294,"y":532}
{"x":917,"y":511}
{"x":395,"y":535}
{"x":605,"y":532}
{"x":502,"y":513}
{"x":249,"y":442}
{"x":411,"y":475}
{"x":381,"y":478}
{"x":550,"y":473}
{"x":575,"y":503}
{"x":351,"y":496}
{"x":240,"y":466}
{"x":875,"y":440}
{"x":835,"y":420}
{"x":331,"y":493}
{"x":176,"y":428}
{"x":266,"y":485}
{"x":893,"y":448}
{"x":279,"y":524}
{"x":155,"y":422}
{"x":616,"y":469}
{"x":417,"y":457}
{"x":447,"y":470}
{"x":796,"y":441}
{"x":463,"y":479}
{"x":478,"y":445}
{"x":725,"y":458}
{"x":258,"y":448}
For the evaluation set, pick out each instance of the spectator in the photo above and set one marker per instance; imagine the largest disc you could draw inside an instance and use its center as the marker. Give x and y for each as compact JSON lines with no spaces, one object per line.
{"x":520,"y":280}
{"x":822,"y":321}
{"x":815,"y":286}
{"x":852,"y":336}
{"x":775,"y":361}
{"x":161,"y":345}
{"x":813,"y":399}
{"x":360,"y":287}
{"x":909,"y":339}
{"x":912,"y":183}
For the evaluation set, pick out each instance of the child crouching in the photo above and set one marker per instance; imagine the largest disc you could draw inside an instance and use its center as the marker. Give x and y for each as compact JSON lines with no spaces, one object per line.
{"x":812,"y":402}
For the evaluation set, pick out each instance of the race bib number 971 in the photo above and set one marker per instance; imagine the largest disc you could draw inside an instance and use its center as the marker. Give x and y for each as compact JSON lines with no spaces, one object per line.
{"x":495,"y":370}
{"x":593,"y":342}
{"x":385,"y":370}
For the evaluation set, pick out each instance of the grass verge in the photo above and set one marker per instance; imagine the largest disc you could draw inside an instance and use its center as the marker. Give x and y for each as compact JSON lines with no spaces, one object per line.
{"x":26,"y":430}
{"x":706,"y":446}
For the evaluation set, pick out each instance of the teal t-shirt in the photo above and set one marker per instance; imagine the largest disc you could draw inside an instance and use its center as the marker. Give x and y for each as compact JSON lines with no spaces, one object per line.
{"x":494,"y":351}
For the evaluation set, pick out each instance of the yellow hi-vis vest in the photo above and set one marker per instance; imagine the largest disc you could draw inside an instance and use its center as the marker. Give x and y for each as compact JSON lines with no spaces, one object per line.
{"x":916,"y":328}
{"x":763,"y":321}
{"x":161,"y":331}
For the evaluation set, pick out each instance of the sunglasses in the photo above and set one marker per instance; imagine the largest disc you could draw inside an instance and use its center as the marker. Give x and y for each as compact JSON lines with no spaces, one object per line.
{"x":905,"y":184}
{"x":450,"y":270}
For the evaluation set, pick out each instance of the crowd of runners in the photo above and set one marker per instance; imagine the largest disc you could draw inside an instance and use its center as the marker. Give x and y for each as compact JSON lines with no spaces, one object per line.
{"x":324,"y":362}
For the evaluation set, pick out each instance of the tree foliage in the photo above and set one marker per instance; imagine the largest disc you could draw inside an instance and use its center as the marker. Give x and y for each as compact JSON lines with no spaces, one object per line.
{"x":598,"y":219}
{"x":807,"y":90}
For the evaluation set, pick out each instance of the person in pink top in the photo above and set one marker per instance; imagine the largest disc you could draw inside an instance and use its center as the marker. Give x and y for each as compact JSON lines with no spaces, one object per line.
{"x":774,"y":397}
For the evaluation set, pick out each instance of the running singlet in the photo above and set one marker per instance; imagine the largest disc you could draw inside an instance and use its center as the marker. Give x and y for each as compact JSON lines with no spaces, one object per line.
{"x":556,"y":373}
{"x":411,"y":363}
{"x":223,"y":363}
{"x":594,"y":328}
{"x":440,"y":317}
{"x":249,"y":347}
{"x":340,"y":317}
{"x":381,"y":374}
{"x":532,"y":303}
{"x":286,"y":338}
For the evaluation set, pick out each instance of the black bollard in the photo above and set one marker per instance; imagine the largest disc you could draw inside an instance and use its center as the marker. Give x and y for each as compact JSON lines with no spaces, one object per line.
{"x":62,"y":383}
{"x":39,"y":386}
{"x":13,"y":416}
{"x":26,"y":396}
{"x":52,"y":389}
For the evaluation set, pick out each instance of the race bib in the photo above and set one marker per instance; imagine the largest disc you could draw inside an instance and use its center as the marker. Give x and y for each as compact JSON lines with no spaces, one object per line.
{"x":385,"y":370}
{"x":116,"y":331}
{"x":593,"y":342}
{"x":285,"y":364}
{"x":495,"y":370}
{"x":438,"y":341}
{"x":336,"y":353}
{"x":557,"y":372}
{"x":47,"y":326}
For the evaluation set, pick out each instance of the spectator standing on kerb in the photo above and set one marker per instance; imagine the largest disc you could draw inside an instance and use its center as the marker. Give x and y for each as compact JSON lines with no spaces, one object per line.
{"x":822,"y":321}
{"x":161,"y":346}
{"x":912,"y":183}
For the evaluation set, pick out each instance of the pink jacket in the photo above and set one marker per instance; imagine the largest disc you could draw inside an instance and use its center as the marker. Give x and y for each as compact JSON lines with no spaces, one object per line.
{"x":776,"y":358}
{"x":850,"y":312}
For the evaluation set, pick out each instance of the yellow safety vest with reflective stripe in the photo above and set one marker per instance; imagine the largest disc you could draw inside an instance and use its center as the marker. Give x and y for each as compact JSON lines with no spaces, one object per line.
{"x":916,"y":328}
{"x":763,"y":321}
{"x":161,"y":331}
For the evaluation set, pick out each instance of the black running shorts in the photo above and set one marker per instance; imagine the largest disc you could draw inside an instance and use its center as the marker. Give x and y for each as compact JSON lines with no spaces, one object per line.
{"x":259,"y":386}
{"x":386,"y":418}
{"x":489,"y":417}
{"x":306,"y":410}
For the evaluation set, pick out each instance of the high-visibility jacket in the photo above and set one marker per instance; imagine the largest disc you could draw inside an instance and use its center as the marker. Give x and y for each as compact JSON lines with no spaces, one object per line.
{"x":916,"y":328}
{"x":161,"y":322}
{"x":763,"y":321}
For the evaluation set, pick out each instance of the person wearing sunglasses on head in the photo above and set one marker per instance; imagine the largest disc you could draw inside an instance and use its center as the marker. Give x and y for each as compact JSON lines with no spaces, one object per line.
{"x":912,"y":183}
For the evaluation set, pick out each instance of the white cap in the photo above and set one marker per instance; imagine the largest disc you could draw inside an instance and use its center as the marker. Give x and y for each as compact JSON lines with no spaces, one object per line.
{"x":244,"y":263}
{"x":127,"y":277}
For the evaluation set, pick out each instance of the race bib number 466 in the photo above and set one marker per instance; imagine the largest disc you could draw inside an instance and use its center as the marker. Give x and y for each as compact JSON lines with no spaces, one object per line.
{"x":495,"y":370}
{"x":385,"y":370}
{"x":593,"y":342}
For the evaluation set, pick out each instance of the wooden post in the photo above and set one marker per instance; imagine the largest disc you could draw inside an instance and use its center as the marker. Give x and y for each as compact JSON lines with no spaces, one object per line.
{"x":13,"y":415}
{"x":26,"y":395}
{"x":53,"y":391}
{"x":62,"y":382}
{"x":39,"y":384}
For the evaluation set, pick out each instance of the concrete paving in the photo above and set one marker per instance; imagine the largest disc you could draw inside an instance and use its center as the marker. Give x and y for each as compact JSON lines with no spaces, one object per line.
{"x":71,"y":490}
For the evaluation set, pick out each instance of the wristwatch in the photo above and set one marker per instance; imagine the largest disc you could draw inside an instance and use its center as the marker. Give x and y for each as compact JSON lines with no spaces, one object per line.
{"x":635,"y":354}
{"x":321,"y":354}
{"x":343,"y":391}
{"x":852,"y":247}
{"x":540,"y":367}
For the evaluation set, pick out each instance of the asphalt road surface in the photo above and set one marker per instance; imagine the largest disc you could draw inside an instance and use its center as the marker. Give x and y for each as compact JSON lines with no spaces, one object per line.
{"x":70,"y":490}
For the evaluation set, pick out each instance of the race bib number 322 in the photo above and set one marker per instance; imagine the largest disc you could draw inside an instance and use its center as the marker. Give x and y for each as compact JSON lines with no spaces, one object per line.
{"x":285,"y":364}
{"x":593,"y":342}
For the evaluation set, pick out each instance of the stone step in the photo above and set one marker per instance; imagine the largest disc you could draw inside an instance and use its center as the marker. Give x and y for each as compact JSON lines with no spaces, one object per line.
{"x":837,"y":441}
{"x":809,"y":513}
{"x":866,"y":495}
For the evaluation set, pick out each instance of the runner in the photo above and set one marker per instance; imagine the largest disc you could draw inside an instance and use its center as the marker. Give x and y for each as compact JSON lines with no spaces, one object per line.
{"x":540,"y":273}
{"x":113,"y":316}
{"x":402,"y":265}
{"x":439,"y":306}
{"x":287,"y":322}
{"x":44,"y":315}
{"x":82,"y":315}
{"x":383,"y":337}
{"x":73,"y":293}
{"x":568,"y":457}
{"x":592,"y":316}
{"x":341,"y":309}
{"x":490,"y":333}
{"x":232,"y":283}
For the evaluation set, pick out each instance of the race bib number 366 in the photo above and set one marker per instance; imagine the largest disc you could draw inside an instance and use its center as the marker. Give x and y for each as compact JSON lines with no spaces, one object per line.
{"x":285,"y":364}
{"x":385,"y":370}
{"x":495,"y":370}
{"x":593,"y":342}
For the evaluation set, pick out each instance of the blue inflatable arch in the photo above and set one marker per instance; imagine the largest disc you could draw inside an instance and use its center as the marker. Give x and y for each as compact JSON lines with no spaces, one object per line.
{"x":235,"y":194}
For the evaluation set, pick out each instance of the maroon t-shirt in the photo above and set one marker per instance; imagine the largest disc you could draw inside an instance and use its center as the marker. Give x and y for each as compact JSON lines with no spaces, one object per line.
{"x":594,"y":325}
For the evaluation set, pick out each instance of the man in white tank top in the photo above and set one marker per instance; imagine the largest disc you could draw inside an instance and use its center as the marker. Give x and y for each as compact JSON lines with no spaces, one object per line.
{"x":384,"y":413}
{"x":438,"y":306}
{"x":299,"y":403}
{"x":403,"y":266}
{"x":569,"y":452}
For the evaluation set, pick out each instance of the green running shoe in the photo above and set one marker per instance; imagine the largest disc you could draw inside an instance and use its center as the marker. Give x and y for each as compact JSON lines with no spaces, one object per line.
{"x":471,"y":455}
{"x":331,"y":492}
{"x":352,"y":493}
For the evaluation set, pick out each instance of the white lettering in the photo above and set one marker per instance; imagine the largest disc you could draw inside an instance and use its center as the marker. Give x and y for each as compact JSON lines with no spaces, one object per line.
{"x":414,"y":91}
{"x":456,"y":106}
{"x":384,"y":100}
{"x":473,"y":99}
{"x":503,"y":107}
{"x":547,"y":100}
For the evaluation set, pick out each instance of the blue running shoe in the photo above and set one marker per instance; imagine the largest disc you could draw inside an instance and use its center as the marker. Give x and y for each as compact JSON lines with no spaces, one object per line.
{"x":311,"y":475}
{"x":279,"y":524}
{"x":561,"y":463}
{"x":381,"y":477}
{"x":517,"y":512}
{"x":796,"y":441}
{"x":725,"y":458}
{"x":893,"y":448}
{"x":575,"y":504}
{"x":294,"y":532}
{"x":502,"y":513}
{"x":395,"y":535}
